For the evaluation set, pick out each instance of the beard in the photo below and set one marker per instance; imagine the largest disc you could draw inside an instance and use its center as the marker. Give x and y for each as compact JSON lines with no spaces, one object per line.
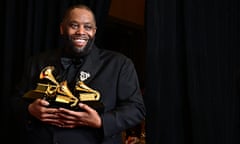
{"x":73,"y":51}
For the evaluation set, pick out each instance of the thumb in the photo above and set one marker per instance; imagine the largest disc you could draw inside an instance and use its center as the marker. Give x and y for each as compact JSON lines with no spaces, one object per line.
{"x":85,"y":107}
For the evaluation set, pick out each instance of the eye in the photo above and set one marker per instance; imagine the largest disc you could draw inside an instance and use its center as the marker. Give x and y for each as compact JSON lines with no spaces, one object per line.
{"x":74,"y":25}
{"x":88,"y":27}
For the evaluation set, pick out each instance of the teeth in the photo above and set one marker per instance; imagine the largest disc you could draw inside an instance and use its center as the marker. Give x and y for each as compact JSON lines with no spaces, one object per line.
{"x":79,"y":40}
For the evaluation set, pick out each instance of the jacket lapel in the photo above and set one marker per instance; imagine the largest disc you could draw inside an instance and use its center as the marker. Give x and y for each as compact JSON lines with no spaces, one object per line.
{"x":91,"y":66}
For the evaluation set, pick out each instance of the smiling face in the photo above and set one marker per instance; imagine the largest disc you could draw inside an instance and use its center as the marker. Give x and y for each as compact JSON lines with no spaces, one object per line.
{"x":78,"y":28}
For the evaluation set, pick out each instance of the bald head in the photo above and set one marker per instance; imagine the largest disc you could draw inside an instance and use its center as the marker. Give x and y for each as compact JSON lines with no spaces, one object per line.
{"x":68,"y":12}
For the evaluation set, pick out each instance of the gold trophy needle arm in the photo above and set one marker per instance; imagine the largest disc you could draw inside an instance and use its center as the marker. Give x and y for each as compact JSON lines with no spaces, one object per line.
{"x":64,"y":90}
{"x":80,"y":86}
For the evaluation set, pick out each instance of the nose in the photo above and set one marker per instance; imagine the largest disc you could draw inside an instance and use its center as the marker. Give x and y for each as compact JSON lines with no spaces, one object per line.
{"x":80,"y":30}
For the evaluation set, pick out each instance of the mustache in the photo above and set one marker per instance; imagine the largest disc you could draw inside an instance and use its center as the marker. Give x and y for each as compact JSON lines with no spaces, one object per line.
{"x":74,"y":51}
{"x":77,"y":36}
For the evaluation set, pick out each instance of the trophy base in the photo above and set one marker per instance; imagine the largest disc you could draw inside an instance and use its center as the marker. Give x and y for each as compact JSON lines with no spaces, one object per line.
{"x":98,"y":106}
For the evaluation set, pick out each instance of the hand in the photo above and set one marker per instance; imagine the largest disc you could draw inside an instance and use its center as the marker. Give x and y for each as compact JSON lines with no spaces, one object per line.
{"x":87,"y":117}
{"x":40,"y":110}
{"x":132,"y":140}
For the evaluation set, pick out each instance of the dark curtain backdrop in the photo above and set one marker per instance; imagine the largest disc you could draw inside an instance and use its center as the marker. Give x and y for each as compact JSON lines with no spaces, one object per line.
{"x":192,"y":64}
{"x":30,"y":27}
{"x":192,"y":70}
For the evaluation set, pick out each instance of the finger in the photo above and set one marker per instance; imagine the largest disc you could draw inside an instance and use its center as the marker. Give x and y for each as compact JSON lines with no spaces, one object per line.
{"x":44,"y":102}
{"x":86,"y":107}
{"x":66,"y":116}
{"x":68,"y":126}
{"x":52,"y":121}
{"x":58,"y":124}
{"x":52,"y":110}
{"x":49,"y":117}
{"x":66,"y":111}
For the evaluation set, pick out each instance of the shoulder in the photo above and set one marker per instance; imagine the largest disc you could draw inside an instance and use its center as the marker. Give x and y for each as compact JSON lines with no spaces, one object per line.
{"x":113,"y":56}
{"x":48,"y":55}
{"x":45,"y":58}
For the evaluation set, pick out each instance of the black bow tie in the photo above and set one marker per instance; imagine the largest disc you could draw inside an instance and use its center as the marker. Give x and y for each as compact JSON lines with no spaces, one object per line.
{"x":67,"y":62}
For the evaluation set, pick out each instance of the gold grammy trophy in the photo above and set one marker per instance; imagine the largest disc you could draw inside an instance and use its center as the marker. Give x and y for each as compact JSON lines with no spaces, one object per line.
{"x":59,"y":95}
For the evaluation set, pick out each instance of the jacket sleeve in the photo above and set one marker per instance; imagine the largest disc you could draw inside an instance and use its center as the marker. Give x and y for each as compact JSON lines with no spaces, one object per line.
{"x":19,"y":107}
{"x":130,"y":109}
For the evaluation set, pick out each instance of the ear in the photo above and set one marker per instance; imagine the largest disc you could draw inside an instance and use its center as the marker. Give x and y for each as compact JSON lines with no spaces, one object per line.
{"x":95,"y":30}
{"x":61,"y":29}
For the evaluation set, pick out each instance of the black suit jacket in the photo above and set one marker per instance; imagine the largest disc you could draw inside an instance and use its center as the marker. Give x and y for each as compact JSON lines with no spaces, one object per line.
{"x":112,"y":74}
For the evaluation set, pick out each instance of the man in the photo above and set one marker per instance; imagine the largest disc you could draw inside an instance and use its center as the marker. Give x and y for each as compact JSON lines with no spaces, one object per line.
{"x":110,"y":73}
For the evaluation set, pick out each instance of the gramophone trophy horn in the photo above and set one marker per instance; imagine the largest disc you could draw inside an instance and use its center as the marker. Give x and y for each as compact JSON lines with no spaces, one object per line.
{"x":47,"y":74}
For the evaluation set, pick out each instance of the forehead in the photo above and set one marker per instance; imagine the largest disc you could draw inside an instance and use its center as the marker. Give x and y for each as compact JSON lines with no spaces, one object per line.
{"x":81,"y":15}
